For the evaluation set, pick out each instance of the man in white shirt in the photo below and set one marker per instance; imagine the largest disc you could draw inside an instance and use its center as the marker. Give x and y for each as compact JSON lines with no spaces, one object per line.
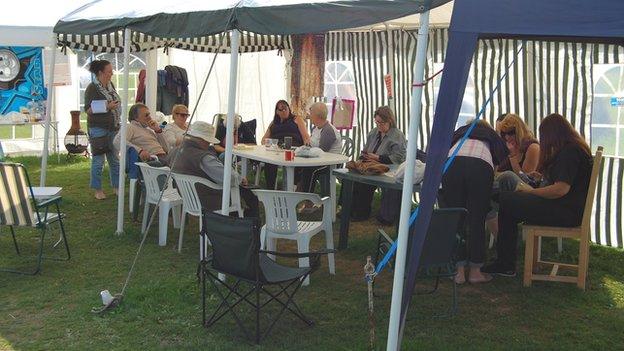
{"x":144,"y":134}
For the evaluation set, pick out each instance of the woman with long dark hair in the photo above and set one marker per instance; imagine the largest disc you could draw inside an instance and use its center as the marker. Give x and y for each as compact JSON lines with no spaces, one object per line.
{"x":285,"y":124}
{"x":565,"y":165}
{"x":102,"y":125}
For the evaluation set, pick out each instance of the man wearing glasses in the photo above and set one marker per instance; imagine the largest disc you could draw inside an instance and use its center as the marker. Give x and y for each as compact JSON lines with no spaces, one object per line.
{"x":144,"y":135}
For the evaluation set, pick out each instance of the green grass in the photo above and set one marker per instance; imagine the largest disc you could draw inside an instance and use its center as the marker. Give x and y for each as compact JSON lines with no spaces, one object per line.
{"x":161,"y":309}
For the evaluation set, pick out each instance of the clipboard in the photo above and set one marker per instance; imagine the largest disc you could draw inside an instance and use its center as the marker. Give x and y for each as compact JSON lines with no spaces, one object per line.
{"x":99,"y":106}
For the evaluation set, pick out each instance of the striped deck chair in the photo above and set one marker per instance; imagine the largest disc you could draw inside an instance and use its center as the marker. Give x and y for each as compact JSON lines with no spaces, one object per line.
{"x":18,"y":207}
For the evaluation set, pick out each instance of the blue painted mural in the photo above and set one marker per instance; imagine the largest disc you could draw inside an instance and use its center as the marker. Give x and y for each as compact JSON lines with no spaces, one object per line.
{"x":21,"y":77}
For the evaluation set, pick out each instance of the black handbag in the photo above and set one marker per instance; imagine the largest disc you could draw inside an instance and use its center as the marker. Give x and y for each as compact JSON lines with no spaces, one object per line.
{"x":100,"y":145}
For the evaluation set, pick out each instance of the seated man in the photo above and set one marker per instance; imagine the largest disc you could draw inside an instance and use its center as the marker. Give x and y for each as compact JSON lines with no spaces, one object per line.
{"x":144,"y":134}
{"x":324,"y":136}
{"x":197,"y":157}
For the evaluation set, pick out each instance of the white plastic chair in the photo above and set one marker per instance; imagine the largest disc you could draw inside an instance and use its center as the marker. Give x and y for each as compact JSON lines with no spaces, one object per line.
{"x":171,"y":200}
{"x":280,"y":208}
{"x":191,"y":203}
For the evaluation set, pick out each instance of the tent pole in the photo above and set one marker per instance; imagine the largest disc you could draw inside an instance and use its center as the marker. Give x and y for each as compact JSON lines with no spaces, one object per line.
{"x":229,"y":134}
{"x":122,"y":141}
{"x":48,"y":115}
{"x":406,"y":196}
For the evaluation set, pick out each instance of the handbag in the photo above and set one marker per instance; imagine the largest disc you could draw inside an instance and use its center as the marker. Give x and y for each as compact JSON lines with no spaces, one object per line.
{"x":99,"y":145}
{"x":367,"y":167}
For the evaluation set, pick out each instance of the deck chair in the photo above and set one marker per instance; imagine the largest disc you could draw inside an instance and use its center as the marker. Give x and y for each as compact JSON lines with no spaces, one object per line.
{"x":18,"y":207}
{"x":236,"y":253}
{"x":532,"y":250}
{"x":437,"y":259}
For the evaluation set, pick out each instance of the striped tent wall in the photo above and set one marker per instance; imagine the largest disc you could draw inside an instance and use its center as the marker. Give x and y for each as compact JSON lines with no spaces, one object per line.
{"x":369,"y":53}
{"x":113,"y":42}
{"x":608,"y":217}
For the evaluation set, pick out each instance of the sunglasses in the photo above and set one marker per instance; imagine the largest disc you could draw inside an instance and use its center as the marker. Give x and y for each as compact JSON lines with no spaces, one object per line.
{"x":510,"y":133}
{"x":282,"y":109}
{"x":185,"y":115}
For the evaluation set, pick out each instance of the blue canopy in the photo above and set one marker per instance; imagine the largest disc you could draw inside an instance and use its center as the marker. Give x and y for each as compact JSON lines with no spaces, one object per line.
{"x":561,"y":20}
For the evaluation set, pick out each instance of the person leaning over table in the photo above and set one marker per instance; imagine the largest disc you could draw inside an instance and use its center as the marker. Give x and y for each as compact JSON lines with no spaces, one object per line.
{"x":324,"y":136}
{"x":174,"y":132}
{"x":102,"y":127}
{"x":385,"y":144}
{"x":284,"y":124}
{"x":144,"y":135}
{"x":197,"y":157}
{"x":565,"y":163}
{"x":468,"y":184}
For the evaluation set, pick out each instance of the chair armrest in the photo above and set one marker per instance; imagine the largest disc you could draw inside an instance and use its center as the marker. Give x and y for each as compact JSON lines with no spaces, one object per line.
{"x":299,"y":255}
{"x":48,"y":202}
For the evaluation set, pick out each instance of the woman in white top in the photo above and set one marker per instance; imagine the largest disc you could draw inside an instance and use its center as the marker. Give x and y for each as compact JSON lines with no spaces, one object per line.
{"x":174,"y":132}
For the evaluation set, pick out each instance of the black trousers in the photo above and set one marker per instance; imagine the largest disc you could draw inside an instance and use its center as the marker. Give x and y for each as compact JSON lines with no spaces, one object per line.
{"x":390,"y":204}
{"x":251,"y":201}
{"x":468,"y":184}
{"x":518,"y":207}
{"x":270,"y":174}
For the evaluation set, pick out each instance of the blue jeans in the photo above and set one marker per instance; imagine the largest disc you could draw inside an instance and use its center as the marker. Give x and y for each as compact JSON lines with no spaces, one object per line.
{"x":97,"y":162}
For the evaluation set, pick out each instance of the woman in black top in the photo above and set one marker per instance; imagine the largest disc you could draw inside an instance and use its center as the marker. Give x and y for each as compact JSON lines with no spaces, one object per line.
{"x":565,"y":163}
{"x":284,"y":124}
{"x":103,"y":125}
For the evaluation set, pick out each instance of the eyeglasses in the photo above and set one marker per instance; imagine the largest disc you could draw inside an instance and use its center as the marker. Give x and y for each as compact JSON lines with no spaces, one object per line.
{"x":185,"y":115}
{"x":380,"y":122}
{"x":282,"y":109}
{"x":510,"y":133}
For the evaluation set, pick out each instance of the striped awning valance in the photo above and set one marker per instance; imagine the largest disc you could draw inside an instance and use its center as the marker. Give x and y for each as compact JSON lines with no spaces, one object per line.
{"x":114,"y":43}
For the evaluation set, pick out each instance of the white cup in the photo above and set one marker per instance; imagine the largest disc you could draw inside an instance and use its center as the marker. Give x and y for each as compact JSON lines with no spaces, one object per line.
{"x":107,"y":298}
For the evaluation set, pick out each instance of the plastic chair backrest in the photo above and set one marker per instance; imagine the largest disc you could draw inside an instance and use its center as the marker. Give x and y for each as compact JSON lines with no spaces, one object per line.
{"x":187,"y":187}
{"x":442,"y":237}
{"x":153,"y":185}
{"x":235,"y":244}
{"x":280,"y":208}
{"x":348,"y":148}
{"x":16,"y":207}
{"x":591,"y":191}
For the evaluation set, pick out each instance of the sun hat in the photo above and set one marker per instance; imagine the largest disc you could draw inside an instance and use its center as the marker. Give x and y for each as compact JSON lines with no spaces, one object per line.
{"x":204,"y":131}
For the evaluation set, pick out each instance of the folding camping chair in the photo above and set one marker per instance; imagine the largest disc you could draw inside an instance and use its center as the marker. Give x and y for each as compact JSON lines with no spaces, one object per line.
{"x":236,"y":252}
{"x":18,"y":207}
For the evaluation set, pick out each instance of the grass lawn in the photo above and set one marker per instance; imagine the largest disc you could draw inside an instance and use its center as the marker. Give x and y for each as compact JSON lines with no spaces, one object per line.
{"x":161,"y":309}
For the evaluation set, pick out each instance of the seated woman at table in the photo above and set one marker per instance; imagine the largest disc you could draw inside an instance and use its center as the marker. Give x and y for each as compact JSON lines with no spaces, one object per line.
{"x":285,"y":124}
{"x":174,"y":132}
{"x":565,"y":163}
{"x":468,"y":183}
{"x":324,"y":136}
{"x":385,"y":144}
{"x":523,"y":157}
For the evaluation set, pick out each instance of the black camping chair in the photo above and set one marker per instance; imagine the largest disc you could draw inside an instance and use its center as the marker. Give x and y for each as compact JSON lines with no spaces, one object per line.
{"x":20,"y":208}
{"x":236,"y":252}
{"x":437,"y":259}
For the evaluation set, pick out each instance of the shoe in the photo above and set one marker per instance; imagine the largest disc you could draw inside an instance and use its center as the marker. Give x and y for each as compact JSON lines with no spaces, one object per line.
{"x":498,"y":269}
{"x":99,"y":194}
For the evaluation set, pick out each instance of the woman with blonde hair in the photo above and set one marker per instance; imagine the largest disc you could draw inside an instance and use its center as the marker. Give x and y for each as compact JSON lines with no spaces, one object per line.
{"x":523,"y":148}
{"x":174,"y":132}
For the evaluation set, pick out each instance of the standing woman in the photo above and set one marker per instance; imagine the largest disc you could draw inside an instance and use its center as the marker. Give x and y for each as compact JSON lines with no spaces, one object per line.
{"x":566,"y":164}
{"x":102,"y":125}
{"x":285,"y":124}
{"x":468,"y":184}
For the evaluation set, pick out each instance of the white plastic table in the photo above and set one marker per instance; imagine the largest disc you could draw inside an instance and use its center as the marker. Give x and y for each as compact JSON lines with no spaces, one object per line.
{"x":276,"y":157}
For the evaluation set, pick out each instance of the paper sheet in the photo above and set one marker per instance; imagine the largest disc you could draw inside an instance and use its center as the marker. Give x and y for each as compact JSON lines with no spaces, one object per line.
{"x":98,"y":106}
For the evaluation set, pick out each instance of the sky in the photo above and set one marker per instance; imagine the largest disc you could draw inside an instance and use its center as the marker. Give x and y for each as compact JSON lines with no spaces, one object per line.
{"x":44,"y":13}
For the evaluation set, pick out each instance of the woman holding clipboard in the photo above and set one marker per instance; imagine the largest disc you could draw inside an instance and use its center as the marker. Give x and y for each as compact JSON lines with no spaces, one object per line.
{"x":103,"y":112}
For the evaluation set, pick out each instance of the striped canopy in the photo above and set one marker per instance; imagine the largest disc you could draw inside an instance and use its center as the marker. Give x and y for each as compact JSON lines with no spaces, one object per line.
{"x":198,"y":24}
